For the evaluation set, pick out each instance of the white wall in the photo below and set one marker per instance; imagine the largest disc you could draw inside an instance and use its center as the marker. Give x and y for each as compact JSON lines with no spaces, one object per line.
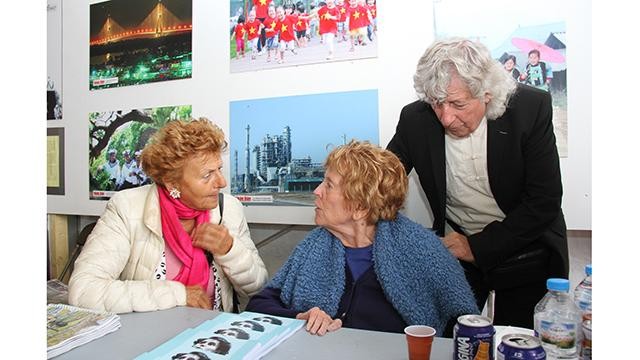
{"x":405,"y":32}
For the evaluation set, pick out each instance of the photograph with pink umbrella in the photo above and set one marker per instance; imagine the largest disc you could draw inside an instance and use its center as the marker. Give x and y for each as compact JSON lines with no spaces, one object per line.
{"x":546,"y":53}
{"x":537,"y":71}
{"x":531,"y":45}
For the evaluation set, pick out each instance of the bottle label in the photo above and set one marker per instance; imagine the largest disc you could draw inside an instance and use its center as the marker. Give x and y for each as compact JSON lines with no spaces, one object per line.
{"x":584,"y":304}
{"x":561,"y":335}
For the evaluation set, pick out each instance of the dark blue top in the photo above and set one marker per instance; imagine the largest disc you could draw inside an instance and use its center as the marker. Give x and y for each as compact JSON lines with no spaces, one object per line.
{"x":359,"y":260}
{"x":363,"y":304}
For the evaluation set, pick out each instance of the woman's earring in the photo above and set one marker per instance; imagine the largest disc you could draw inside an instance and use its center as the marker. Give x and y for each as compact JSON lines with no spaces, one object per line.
{"x":175,"y":193}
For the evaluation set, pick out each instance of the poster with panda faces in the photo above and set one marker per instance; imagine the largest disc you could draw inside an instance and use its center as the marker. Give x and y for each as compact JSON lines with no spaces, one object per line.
{"x":227,"y":336}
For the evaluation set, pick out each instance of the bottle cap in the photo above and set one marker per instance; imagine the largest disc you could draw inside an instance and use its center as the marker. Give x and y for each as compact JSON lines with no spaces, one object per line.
{"x":587,"y":270}
{"x":558,"y":284}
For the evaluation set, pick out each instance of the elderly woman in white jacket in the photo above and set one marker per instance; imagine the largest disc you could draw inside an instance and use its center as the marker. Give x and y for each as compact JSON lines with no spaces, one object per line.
{"x":164,"y":245}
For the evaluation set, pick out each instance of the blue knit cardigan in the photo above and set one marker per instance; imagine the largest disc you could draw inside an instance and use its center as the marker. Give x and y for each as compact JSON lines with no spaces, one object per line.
{"x":419,"y":276}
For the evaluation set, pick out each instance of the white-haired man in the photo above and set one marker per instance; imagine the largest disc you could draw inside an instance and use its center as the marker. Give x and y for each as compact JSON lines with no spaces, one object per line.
{"x":485,"y":153}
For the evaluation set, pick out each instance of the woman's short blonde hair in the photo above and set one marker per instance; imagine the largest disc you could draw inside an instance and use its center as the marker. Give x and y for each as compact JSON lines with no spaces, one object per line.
{"x":164,"y":157}
{"x":373,"y":179}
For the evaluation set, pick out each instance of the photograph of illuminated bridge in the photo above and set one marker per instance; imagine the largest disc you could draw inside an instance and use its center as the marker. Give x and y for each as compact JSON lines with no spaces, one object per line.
{"x":139,"y":42}
{"x":278,"y":145}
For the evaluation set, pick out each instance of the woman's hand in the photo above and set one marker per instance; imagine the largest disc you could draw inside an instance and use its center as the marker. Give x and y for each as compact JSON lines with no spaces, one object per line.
{"x":319,"y":322}
{"x":213,"y":238}
{"x":196,"y":297}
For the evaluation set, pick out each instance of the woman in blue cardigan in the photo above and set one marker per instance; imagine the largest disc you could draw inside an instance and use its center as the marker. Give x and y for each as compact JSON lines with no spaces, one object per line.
{"x":366,"y":266}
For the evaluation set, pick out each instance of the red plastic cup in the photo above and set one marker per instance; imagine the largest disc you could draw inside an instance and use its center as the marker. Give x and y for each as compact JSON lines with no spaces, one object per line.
{"x":419,"y":340}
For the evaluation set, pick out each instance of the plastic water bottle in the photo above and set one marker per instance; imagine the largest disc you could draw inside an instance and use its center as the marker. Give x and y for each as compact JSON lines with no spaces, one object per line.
{"x":582,"y":298}
{"x":557,"y":321}
{"x":582,"y":294}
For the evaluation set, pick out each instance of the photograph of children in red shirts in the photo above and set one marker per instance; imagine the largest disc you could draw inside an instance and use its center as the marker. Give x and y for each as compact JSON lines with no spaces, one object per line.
{"x":239,"y":33}
{"x":301,"y":25}
{"x":329,"y":16}
{"x":288,"y":25}
{"x":342,"y":21}
{"x":287,"y":37}
{"x":261,"y":8}
{"x":359,"y":19}
{"x":270,"y":31}
{"x":373,"y":27}
{"x":253,"y":27}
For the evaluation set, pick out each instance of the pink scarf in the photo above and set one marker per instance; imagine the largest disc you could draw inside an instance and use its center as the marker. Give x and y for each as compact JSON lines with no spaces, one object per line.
{"x":195,"y":269}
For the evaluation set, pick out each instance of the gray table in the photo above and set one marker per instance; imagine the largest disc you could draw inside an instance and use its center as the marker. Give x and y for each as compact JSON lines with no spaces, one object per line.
{"x":142,"y":332}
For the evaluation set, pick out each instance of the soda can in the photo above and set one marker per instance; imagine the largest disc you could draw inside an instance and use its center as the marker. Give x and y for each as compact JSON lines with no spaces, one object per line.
{"x":520,"y":347}
{"x":473,"y":338}
{"x":586,"y":340}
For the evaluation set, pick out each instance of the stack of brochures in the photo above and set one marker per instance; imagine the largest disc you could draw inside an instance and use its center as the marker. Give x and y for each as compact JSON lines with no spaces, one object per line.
{"x":69,"y":327}
{"x":245,"y":336}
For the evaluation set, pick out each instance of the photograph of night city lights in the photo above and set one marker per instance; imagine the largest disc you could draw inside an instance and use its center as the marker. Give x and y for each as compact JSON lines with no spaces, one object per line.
{"x":139,"y":42}
{"x":278,"y":145}
{"x":116,"y":139}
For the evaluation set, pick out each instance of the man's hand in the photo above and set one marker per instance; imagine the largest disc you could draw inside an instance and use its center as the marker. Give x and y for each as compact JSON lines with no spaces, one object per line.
{"x":319,"y":322}
{"x":458,"y":245}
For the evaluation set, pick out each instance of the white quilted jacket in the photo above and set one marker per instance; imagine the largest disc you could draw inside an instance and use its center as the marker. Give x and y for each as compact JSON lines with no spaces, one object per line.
{"x":115,"y":271}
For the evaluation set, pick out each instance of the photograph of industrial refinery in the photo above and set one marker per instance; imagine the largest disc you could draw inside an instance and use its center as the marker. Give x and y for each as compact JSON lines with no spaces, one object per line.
{"x":278,"y":145}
